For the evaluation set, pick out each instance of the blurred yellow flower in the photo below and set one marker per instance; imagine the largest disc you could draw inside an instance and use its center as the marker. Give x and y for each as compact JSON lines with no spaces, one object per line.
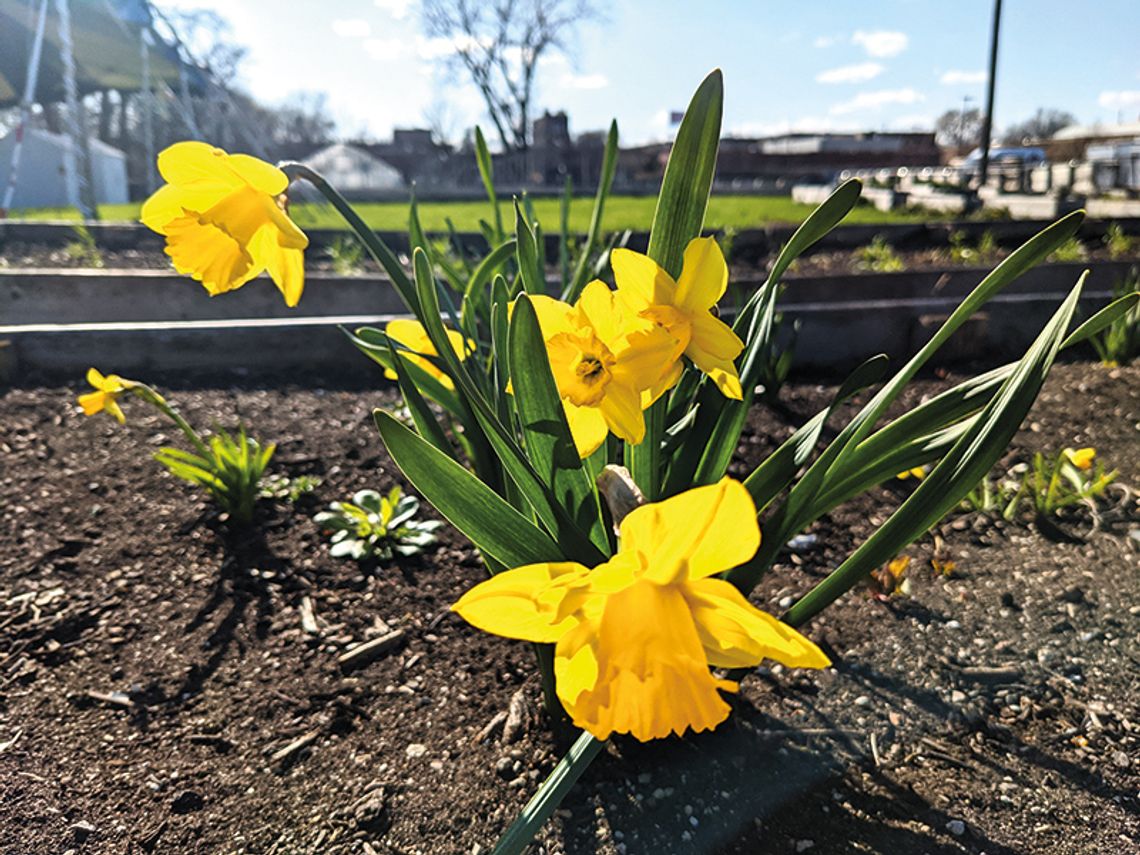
{"x":604,"y":363}
{"x":412,"y":335}
{"x":223,"y":216}
{"x":684,"y":308}
{"x":918,"y":472}
{"x":635,"y":636}
{"x":106,"y":394}
{"x":1083,"y":458}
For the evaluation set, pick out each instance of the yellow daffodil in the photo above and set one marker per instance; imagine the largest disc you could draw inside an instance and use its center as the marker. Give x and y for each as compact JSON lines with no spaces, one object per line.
{"x":603,"y":361}
{"x":635,"y":637}
{"x":105,"y":398}
{"x":412,"y":335}
{"x":1083,"y":458}
{"x":223,"y":216}
{"x":918,"y":473}
{"x":684,"y":308}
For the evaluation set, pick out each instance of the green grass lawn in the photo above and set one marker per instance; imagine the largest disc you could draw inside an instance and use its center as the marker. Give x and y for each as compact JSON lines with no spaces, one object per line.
{"x":622,"y":212}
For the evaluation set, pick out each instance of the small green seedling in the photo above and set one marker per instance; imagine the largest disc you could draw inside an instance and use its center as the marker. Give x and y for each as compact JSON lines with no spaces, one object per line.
{"x":376,"y":526}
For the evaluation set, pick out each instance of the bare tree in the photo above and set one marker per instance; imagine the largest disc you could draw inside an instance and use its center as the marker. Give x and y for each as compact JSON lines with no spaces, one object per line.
{"x":499,"y":44}
{"x":1040,"y":126}
{"x":959,"y":128}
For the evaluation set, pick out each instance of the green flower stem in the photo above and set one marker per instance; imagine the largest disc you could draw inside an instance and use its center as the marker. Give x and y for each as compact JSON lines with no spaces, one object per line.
{"x":141,"y":390}
{"x":376,"y":247}
{"x":569,"y":769}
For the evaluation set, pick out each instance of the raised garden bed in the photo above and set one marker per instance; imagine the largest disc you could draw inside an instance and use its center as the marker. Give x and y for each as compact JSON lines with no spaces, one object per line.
{"x":159,"y":691}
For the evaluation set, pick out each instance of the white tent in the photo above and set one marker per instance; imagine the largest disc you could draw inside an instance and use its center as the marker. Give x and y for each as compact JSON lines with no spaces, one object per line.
{"x":41,"y":181}
{"x":353,"y":170}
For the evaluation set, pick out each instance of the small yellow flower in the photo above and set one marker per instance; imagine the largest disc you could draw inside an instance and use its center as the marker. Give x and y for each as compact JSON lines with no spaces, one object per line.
{"x":684,"y":308}
{"x":918,"y":472}
{"x":635,"y":637}
{"x":223,"y":216}
{"x":106,"y":394}
{"x":412,"y":335}
{"x":1083,"y":458}
{"x":604,"y":363}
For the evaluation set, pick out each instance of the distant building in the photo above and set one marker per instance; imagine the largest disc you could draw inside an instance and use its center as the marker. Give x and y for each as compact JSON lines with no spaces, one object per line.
{"x":415,"y":154}
{"x":1072,"y":143}
{"x":354,"y":171}
{"x":41,"y":181}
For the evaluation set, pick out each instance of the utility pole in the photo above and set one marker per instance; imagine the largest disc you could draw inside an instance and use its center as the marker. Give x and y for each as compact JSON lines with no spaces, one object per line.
{"x":988,"y":122}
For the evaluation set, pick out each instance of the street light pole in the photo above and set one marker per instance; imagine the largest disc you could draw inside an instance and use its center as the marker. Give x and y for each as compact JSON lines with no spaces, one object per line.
{"x":988,"y":121}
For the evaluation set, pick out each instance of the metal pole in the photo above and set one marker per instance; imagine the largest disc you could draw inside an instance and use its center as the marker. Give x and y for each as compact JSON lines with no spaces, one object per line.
{"x":147,"y":99}
{"x":32,"y":76}
{"x":988,"y":123}
{"x":77,"y":163}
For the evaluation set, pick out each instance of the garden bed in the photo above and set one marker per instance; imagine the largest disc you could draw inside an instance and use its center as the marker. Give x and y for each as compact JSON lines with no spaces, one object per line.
{"x":169,"y":686}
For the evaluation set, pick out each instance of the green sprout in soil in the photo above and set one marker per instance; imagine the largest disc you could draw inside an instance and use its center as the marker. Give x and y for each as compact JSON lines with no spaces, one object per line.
{"x":1119,"y":342}
{"x":878,"y":257}
{"x":288,"y":489}
{"x":373,"y":526}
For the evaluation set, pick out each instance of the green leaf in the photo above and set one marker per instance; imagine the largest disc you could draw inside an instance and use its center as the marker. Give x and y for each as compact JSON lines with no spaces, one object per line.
{"x":486,"y":270}
{"x":801,"y":505}
{"x":487,"y":173}
{"x":549,"y":444}
{"x":593,"y":235}
{"x":1115,"y":310}
{"x":422,"y":415}
{"x":575,"y":543}
{"x":677,"y":220}
{"x":374,"y":344}
{"x":467,"y":503}
{"x":530,"y":263}
{"x":553,"y":790}
{"x":770,"y":478}
{"x":970,"y":459}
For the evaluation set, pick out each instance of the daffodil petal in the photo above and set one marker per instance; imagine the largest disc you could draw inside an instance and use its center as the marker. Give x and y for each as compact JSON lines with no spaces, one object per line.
{"x":194,"y":162}
{"x":171,"y":201}
{"x":286,"y":266}
{"x":694,"y":534}
{"x":704,"y":276}
{"x":647,"y":353}
{"x":721,"y":371}
{"x":263,"y":177}
{"x":596,"y":309}
{"x":640,"y":669}
{"x":112,"y":407}
{"x":587,"y":427}
{"x":714,"y":337}
{"x":621,"y":409}
{"x":92,"y":402}
{"x":736,"y":634}
{"x":641,"y":281}
{"x":554,"y":316}
{"x":521,"y":603}
{"x":94,"y":378}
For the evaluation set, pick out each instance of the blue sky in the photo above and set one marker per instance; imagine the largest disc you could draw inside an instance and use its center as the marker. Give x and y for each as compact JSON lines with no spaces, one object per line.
{"x":789,"y":64}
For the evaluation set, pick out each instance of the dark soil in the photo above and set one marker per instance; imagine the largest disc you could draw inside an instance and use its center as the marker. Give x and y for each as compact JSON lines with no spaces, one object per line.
{"x":159,"y":693}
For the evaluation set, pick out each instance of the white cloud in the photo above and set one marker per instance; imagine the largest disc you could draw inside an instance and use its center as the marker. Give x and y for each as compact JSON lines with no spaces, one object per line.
{"x":352,"y":28}
{"x":1120,"y":99}
{"x":955,"y":77}
{"x":866,"y":101}
{"x":825,"y":41}
{"x":858,"y":73}
{"x":398,"y":9}
{"x":881,"y":43}
{"x":584,"y":81}
{"x":801,"y":124}
{"x":395,"y":48}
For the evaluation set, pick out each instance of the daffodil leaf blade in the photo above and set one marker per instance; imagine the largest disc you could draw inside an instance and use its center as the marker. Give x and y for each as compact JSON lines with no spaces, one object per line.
{"x":1103,"y":319}
{"x":688,"y":177}
{"x":496,"y":528}
{"x":575,"y":542}
{"x":772,"y":476}
{"x":594,"y":233}
{"x":818,"y":223}
{"x":487,"y":174}
{"x":964,"y":465}
{"x":549,"y":443}
{"x":527,"y":252}
{"x":485,"y":271}
{"x":424,"y":419}
{"x":374,"y":344}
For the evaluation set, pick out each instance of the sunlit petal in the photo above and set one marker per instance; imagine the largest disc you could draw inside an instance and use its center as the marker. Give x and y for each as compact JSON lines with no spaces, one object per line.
{"x":704,"y":276}
{"x":521,"y":603}
{"x":640,"y":280}
{"x":694,"y":534}
{"x":736,"y":634}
